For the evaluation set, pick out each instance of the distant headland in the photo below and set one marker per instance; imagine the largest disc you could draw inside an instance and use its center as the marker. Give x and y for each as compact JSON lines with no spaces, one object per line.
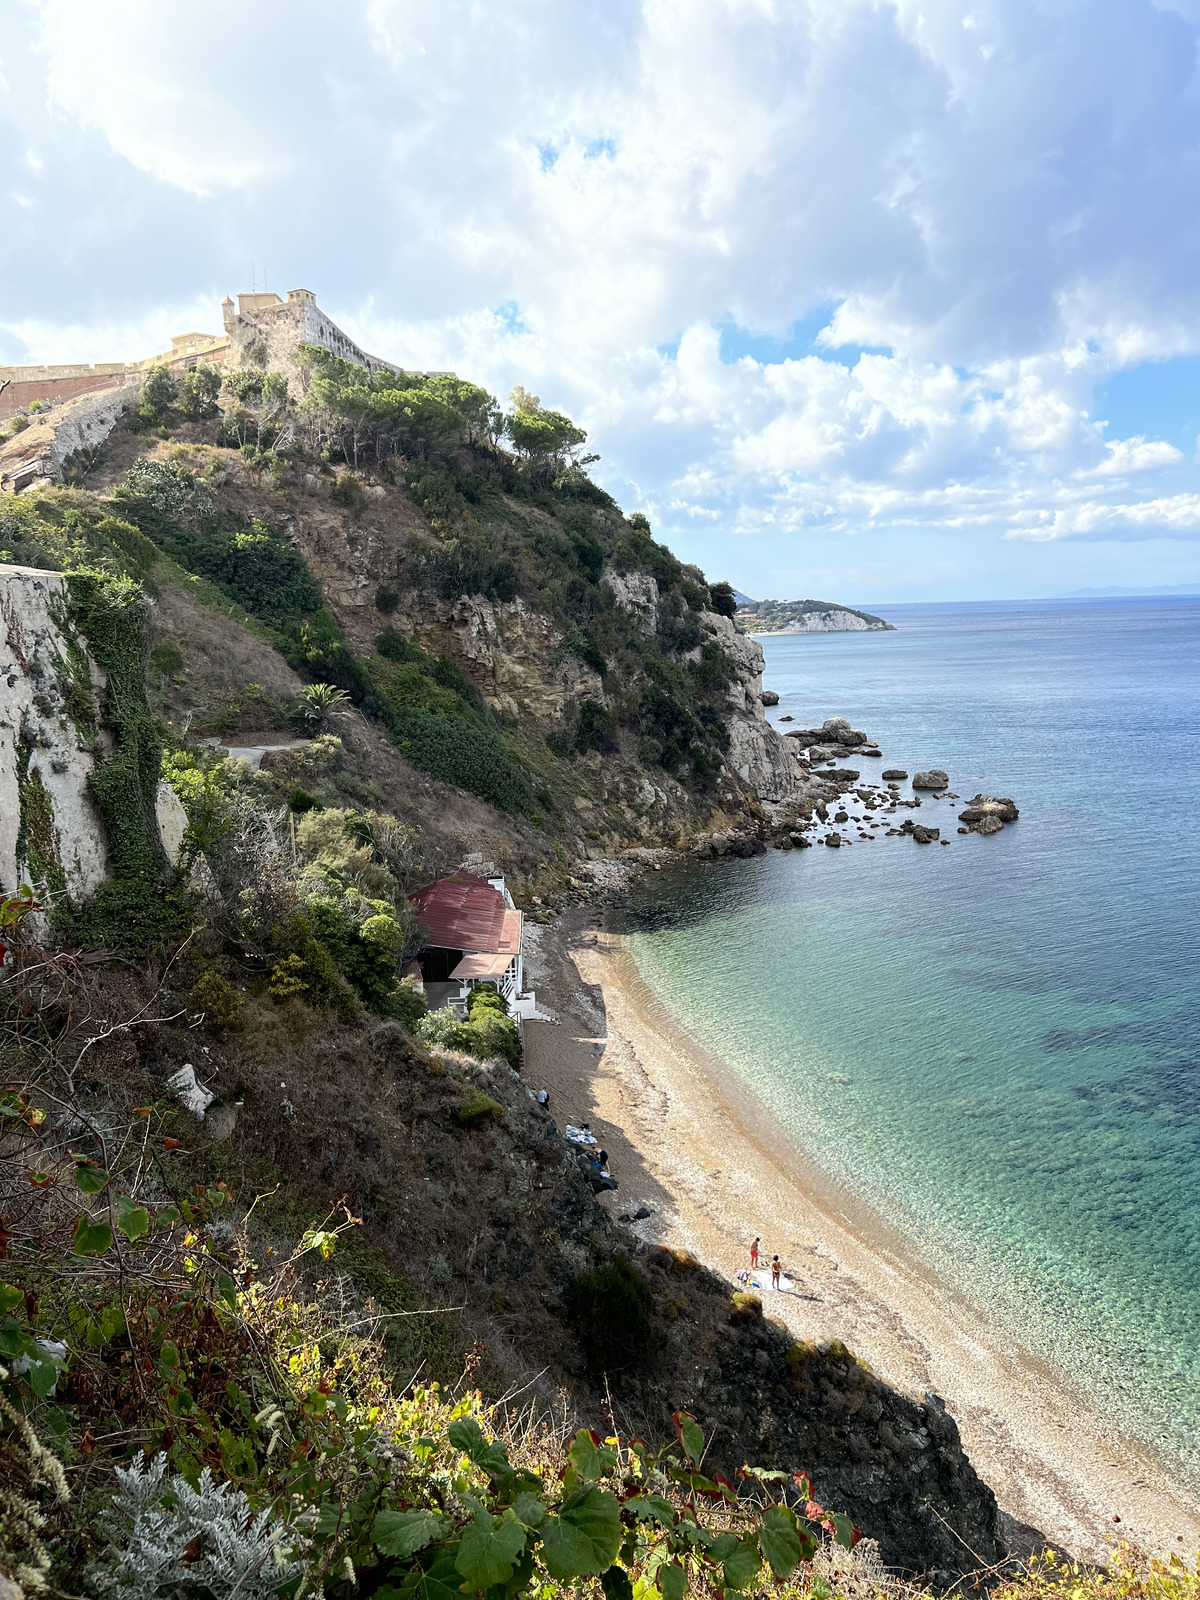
{"x":805,"y":616}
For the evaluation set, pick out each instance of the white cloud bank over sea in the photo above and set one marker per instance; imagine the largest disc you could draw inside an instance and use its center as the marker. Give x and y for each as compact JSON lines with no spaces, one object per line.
{"x":904,"y":294}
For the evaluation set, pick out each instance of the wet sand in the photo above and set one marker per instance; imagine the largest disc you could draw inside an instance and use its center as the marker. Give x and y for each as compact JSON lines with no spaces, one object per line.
{"x":689,"y":1143}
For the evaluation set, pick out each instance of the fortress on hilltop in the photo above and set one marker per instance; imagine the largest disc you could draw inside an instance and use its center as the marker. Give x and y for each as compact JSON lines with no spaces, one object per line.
{"x":262,"y":331}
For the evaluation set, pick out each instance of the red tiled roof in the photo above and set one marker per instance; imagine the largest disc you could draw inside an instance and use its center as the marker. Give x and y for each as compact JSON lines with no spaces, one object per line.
{"x":463,"y":912}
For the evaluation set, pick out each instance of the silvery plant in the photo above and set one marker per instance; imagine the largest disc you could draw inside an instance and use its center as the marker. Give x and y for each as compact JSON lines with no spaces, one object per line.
{"x":168,"y":1541}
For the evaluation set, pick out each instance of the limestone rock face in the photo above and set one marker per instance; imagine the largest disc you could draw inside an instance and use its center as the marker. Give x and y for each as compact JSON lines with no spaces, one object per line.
{"x":636,"y":592}
{"x":757,"y":753}
{"x":50,"y":834}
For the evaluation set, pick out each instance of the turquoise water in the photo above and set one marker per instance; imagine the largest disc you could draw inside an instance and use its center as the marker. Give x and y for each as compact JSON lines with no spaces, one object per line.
{"x":997,"y":1044}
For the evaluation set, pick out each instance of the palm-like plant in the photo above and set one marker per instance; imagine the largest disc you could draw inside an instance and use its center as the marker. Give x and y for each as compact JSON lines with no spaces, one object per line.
{"x":316,"y":703}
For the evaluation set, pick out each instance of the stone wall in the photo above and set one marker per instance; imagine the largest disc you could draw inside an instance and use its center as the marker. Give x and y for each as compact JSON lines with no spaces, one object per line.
{"x":37,"y":455}
{"x":263,"y":324}
{"x":24,"y":385}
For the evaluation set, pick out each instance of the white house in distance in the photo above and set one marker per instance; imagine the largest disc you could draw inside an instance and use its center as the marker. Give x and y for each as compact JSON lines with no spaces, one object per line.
{"x":475,"y":936}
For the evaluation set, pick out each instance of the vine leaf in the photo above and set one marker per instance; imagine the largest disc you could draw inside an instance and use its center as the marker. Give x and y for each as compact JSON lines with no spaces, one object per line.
{"x":489,"y":1550}
{"x":741,"y":1566}
{"x":584,"y":1538}
{"x":91,"y":1238}
{"x":10,"y":1298}
{"x":467,"y":1436}
{"x":690,"y":1435}
{"x":90,"y":1179}
{"x":672,"y":1582}
{"x":401,"y":1533}
{"x":132,"y":1219}
{"x":589,"y":1457}
{"x":779,"y":1540}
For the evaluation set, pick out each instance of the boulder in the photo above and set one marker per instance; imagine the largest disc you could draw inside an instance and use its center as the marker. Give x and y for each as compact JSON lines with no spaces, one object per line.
{"x":988,"y":824}
{"x":833,"y":840}
{"x":925,"y":835}
{"x":869,"y":751}
{"x":800,"y":842}
{"x":893,"y":775}
{"x":769,"y":697}
{"x":935,"y":778}
{"x":841,"y":816}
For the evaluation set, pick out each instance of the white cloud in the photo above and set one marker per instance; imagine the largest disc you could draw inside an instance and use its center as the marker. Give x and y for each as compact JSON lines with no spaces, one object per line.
{"x":994,"y":204}
{"x":1177,"y":516}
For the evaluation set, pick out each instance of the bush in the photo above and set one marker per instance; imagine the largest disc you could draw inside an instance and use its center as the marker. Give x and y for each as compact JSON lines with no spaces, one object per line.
{"x":595,"y":730}
{"x":723,"y":602}
{"x":159,"y":390}
{"x":217,"y":1000}
{"x":347,"y":491}
{"x":408,"y":1003}
{"x":746,"y":1307}
{"x":386,"y":600}
{"x":610,"y":1309}
{"x":478,"y":1108}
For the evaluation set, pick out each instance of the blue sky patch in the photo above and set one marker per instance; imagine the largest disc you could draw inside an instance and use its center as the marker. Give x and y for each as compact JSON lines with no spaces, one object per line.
{"x":599,"y":147}
{"x":1160,"y":399}
{"x":799,"y":341}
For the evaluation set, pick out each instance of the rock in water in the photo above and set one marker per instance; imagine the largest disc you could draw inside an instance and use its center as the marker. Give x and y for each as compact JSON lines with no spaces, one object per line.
{"x":769,"y":697}
{"x":834,"y":840}
{"x":925,"y":835}
{"x":935,"y":778}
{"x":988,"y":815}
{"x":893,"y":775}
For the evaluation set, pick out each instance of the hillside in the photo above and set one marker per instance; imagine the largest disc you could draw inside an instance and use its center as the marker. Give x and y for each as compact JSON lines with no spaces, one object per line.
{"x":256,"y":1201}
{"x":806,"y":616}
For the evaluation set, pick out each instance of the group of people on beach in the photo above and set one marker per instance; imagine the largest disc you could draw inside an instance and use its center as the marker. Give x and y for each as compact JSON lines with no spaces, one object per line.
{"x":756,"y":1262}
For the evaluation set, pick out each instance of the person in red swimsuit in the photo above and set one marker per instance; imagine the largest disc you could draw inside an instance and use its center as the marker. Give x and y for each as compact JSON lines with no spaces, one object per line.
{"x":754,"y":1253}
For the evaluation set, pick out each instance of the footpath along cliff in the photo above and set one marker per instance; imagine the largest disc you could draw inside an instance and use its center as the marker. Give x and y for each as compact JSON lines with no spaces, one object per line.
{"x":253,"y":1206}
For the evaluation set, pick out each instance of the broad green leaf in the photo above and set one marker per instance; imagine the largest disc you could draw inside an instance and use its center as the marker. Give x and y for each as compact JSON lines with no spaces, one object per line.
{"x":616,"y":1585}
{"x":42,"y":1376}
{"x":528,"y":1510}
{"x":779,"y":1540}
{"x":440,"y":1581}
{"x":169,"y":1355}
{"x":585,"y":1538}
{"x":400,"y":1533}
{"x":518,"y":1583}
{"x":741,"y":1566}
{"x":132,"y":1219}
{"x":10,"y":1298}
{"x":489,"y":1550}
{"x":672,"y":1582}
{"x":690,"y":1435}
{"x":166,"y":1215}
{"x":467,"y":1436}
{"x":591,"y":1460}
{"x":90,"y":1179}
{"x":12,"y":1341}
{"x":843,"y":1529}
{"x":91,"y":1238}
{"x":820,"y":1590}
{"x":723,"y":1545}
{"x":652,"y":1506}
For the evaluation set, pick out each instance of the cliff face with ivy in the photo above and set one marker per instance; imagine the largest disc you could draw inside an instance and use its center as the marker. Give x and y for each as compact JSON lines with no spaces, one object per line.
{"x":82,"y":801}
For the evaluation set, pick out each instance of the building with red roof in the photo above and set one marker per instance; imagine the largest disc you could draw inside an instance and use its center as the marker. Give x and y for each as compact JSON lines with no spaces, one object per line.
{"x":474,"y":935}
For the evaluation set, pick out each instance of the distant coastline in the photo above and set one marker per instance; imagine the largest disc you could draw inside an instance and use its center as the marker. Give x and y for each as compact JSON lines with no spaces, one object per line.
{"x":766,"y":617}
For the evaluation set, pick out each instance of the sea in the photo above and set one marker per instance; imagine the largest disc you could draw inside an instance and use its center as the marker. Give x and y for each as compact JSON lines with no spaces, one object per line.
{"x":994,"y":1045}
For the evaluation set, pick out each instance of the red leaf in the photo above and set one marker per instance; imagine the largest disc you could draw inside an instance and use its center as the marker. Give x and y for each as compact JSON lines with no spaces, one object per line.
{"x":855,"y":1535}
{"x":594,"y":1436}
{"x":88,"y":1443}
{"x":170,"y":1144}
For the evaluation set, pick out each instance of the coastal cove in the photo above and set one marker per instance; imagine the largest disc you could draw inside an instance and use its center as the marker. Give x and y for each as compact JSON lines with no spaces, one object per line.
{"x":992,"y":1046}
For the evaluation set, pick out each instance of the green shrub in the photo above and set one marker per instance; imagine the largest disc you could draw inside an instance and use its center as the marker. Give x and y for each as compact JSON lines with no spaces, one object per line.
{"x":365,"y":948}
{"x":723,"y":602}
{"x":595,"y":730}
{"x":746,"y":1307}
{"x":304,"y":967}
{"x":386,"y":600}
{"x":166,"y":660}
{"x":218,"y":1001}
{"x":478,"y":1108}
{"x":408,"y":1002}
{"x":349,"y":492}
{"x":610,"y":1309}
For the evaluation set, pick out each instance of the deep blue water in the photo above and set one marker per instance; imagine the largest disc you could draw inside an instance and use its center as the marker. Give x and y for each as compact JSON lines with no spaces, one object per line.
{"x":997,"y":1043}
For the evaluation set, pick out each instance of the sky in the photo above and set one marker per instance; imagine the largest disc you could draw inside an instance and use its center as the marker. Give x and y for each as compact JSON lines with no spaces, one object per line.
{"x":868,"y":300}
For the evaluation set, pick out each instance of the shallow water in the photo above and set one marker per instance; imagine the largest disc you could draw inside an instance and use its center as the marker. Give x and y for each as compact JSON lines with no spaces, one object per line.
{"x":997,"y":1043}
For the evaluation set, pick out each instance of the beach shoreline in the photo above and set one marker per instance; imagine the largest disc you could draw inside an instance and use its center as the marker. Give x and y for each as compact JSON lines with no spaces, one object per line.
{"x":689,"y":1143}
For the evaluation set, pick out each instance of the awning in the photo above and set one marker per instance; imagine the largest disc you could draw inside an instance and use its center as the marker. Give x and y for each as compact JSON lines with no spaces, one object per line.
{"x":483,"y":965}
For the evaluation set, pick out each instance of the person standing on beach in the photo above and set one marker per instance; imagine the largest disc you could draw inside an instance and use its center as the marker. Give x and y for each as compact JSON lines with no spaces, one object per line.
{"x":776,"y":1272}
{"x":754,"y":1253}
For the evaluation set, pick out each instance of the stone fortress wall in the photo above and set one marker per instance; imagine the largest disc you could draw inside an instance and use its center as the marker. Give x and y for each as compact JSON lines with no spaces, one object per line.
{"x":265,"y":320}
